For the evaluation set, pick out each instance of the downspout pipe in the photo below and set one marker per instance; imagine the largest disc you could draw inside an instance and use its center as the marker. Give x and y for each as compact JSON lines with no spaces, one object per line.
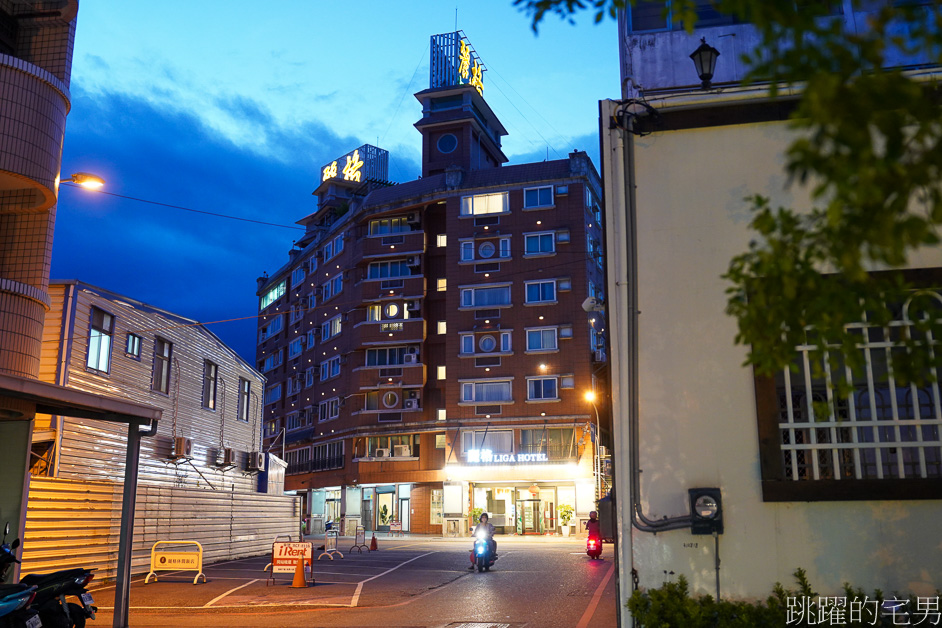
{"x":638,"y":519}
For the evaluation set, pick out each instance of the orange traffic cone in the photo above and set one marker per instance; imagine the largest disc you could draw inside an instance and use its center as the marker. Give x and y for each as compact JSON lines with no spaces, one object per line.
{"x":373,"y":546}
{"x":300,"y":582}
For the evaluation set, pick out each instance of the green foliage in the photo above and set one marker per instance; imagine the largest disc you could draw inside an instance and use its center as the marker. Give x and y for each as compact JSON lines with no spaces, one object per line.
{"x":384,"y":515}
{"x":671,"y":606}
{"x":565,"y":513}
{"x":475,"y":514}
{"x":869,"y":149}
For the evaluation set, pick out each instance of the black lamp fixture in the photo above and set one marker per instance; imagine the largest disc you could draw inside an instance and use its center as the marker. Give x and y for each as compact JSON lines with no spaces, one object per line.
{"x":706,"y":510}
{"x":704,"y":58}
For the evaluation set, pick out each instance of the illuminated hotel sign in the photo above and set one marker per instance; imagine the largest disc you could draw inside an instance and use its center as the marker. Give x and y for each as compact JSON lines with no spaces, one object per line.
{"x":486,"y":456}
{"x":454,"y":62}
{"x":365,"y":162}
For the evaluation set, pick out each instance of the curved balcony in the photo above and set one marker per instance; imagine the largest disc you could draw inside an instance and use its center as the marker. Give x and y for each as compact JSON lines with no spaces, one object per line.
{"x":391,"y":332}
{"x":396,"y":376}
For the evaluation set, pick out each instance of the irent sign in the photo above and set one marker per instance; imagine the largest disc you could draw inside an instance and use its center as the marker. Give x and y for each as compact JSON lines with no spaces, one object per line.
{"x":284,"y":556}
{"x":486,"y":456}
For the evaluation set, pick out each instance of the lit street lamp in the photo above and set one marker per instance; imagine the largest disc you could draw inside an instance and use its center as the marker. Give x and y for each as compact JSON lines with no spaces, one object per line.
{"x":86,"y":180}
{"x":590,"y":397}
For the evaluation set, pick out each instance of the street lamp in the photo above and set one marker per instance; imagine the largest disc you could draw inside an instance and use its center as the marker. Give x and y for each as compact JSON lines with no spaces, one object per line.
{"x":704,"y":58}
{"x":591,"y":397}
{"x":86,"y":180}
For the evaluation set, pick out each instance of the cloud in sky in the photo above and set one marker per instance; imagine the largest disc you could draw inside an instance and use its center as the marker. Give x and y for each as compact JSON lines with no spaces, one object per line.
{"x":199,"y":266}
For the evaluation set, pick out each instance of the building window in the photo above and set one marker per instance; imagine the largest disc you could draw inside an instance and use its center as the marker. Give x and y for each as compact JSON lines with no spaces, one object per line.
{"x":442,"y":284}
{"x":293,"y":421}
{"x":99,"y":340}
{"x":330,"y":328}
{"x":297,"y":313}
{"x":442,"y":327}
{"x":387,"y":356}
{"x":447,"y":143}
{"x":878,"y":441}
{"x":538,"y":197}
{"x":331,"y":287}
{"x":273,"y":393}
{"x":437,"y":507}
{"x":567,"y":381}
{"x":541,"y":389}
{"x":374,"y":313}
{"x":163,"y":351}
{"x":441,"y":240}
{"x":329,"y":409}
{"x":467,"y":250}
{"x":275,"y":359}
{"x":276,"y":325}
{"x":539,"y":243}
{"x":245,"y":398}
{"x":295,"y":348}
{"x":273,"y":295}
{"x":327,"y":456}
{"x":133,"y":346}
{"x":390,"y":399}
{"x":309,"y":377}
{"x":486,"y":392}
{"x":333,"y":248}
{"x":210,"y":372}
{"x":487,"y":343}
{"x":441,"y":372}
{"x":386,"y":226}
{"x":297,"y":277}
{"x":330,"y":368}
{"x":542,"y":339}
{"x":541,"y":291}
{"x":485,"y":204}
{"x":495,"y":441}
{"x":386,"y":270}
{"x":485,"y":297}
{"x":657,"y":15}
{"x":441,"y":414}
{"x":556,"y":443}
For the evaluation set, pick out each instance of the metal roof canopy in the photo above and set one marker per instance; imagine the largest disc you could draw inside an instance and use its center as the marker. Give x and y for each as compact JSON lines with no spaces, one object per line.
{"x":58,"y":400}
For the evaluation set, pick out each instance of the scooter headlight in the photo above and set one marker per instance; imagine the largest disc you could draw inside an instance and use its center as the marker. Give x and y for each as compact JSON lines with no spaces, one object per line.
{"x":481,"y":549}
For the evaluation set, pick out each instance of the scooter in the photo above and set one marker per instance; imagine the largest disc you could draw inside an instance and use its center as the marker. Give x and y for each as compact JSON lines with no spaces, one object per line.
{"x":50,"y":591}
{"x":593,"y":547}
{"x":15,"y":599}
{"x":481,"y":555}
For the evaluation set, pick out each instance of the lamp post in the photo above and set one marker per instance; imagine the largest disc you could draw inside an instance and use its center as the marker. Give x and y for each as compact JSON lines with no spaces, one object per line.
{"x":704,"y":59}
{"x":591,"y":397}
{"x":86,"y":180}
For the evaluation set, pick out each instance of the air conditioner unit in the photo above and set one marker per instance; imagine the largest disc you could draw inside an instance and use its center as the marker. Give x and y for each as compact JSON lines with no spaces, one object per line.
{"x":228,"y":457}
{"x":412,"y":261}
{"x":401,"y":451}
{"x":182,"y":447}
{"x":410,"y":358}
{"x":413,"y":218}
{"x":599,"y":355}
{"x":382,"y":453}
{"x":411,"y":404}
{"x":256,"y":461}
{"x":413,"y":394}
{"x":414,"y":306}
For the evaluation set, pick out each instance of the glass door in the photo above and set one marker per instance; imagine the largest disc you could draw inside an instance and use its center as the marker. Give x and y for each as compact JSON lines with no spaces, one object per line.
{"x":384,"y":511}
{"x":529,"y":519}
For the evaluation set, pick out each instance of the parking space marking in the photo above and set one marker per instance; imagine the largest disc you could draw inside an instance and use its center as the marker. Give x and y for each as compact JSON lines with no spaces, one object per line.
{"x":356,"y":594}
{"x":216,"y":599}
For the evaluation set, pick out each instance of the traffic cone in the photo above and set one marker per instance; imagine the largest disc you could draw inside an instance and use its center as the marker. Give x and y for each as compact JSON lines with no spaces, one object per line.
{"x":300,"y":582}
{"x":373,"y":546}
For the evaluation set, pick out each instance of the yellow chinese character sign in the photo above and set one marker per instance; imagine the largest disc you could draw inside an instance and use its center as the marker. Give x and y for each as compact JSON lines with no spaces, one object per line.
{"x":454,"y":62}
{"x":351,"y":172}
{"x":330,"y":171}
{"x":477,"y":80}
{"x":464,"y":60}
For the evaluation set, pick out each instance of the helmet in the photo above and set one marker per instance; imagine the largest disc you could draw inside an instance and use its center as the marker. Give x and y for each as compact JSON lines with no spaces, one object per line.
{"x":593,"y":515}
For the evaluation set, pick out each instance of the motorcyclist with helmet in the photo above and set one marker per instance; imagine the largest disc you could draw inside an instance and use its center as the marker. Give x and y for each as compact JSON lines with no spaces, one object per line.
{"x":486,"y":530}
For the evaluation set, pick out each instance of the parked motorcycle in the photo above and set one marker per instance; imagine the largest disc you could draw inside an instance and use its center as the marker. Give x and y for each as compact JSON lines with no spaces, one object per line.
{"x":593,"y":547}
{"x":51,"y":591}
{"x":15,"y":599}
{"x":481,"y":555}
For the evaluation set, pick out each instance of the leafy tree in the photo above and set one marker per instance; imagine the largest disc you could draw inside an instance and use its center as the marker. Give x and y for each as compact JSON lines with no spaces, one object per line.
{"x":869,"y":146}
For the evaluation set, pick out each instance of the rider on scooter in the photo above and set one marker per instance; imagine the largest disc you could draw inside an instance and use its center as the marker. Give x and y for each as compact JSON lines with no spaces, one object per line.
{"x":487,"y":530}
{"x":593,"y":527}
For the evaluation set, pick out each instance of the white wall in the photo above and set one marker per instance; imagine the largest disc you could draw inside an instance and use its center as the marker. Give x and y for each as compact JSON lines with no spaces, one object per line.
{"x":697,"y":404}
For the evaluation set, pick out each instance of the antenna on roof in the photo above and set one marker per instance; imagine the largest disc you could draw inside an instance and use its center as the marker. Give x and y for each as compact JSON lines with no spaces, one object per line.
{"x":456,"y":18}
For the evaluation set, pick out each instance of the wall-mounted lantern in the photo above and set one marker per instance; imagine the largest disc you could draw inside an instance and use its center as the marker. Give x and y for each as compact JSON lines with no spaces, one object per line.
{"x":704,"y":58}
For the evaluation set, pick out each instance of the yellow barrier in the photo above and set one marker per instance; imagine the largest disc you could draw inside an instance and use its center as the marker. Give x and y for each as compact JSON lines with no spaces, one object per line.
{"x":176,"y":560}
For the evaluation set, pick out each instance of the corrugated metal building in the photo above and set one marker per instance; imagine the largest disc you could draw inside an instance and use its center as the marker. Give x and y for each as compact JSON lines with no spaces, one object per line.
{"x":204,"y":457}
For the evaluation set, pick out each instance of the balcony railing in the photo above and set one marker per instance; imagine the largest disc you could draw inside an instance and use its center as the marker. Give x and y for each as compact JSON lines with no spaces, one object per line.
{"x":320,"y":464}
{"x":553,"y":452}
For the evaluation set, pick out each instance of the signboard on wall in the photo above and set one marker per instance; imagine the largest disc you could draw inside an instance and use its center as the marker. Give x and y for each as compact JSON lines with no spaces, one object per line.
{"x":454,"y":62}
{"x":360,"y":164}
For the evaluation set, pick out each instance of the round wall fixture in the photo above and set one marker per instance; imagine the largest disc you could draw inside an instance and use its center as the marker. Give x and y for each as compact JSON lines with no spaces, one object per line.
{"x":447,"y":143}
{"x":390,"y":399}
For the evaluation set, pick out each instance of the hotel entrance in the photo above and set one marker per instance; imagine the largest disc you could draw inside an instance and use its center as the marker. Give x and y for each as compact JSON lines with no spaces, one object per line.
{"x":529,"y":519}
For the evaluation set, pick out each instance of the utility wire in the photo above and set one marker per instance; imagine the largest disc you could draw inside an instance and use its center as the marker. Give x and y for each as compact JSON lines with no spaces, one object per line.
{"x":188,"y":209}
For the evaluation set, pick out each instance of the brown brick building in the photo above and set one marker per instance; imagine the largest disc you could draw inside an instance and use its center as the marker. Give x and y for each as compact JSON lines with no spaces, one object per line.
{"x":428,"y":345}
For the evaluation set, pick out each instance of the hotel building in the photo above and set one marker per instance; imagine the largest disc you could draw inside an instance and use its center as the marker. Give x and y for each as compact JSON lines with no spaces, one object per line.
{"x":428,"y":346}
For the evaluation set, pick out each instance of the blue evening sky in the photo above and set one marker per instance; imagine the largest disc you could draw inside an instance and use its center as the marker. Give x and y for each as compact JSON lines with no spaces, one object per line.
{"x":232,"y":107}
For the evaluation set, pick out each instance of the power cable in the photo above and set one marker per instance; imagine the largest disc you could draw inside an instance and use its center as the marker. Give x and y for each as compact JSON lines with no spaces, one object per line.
{"x":188,"y":209}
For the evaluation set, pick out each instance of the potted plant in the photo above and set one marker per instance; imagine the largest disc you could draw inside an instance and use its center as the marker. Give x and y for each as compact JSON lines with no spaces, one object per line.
{"x":474,"y":514}
{"x":565,"y":516}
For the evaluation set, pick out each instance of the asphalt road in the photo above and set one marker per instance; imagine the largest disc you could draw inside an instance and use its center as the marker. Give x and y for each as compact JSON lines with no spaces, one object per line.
{"x":415,"y":582}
